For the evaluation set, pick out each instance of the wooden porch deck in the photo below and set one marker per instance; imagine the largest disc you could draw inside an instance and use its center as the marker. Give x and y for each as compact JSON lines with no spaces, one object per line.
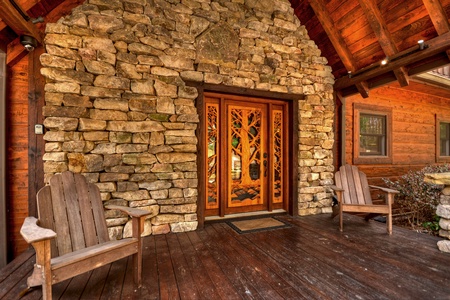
{"x":309,"y":260}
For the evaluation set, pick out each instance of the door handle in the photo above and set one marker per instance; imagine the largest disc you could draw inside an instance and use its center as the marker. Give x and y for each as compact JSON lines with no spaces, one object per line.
{"x":265,"y":168}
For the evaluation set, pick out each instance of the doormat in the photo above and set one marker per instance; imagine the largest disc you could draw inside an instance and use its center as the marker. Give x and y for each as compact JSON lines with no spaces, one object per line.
{"x":260,"y":224}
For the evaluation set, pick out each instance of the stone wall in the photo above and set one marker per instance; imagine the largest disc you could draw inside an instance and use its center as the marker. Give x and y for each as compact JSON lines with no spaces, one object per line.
{"x":443,"y":208}
{"x":117,"y":108}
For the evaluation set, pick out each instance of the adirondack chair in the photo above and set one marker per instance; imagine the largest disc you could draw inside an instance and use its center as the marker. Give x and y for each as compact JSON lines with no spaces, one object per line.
{"x":353,"y":195}
{"x":70,"y":237}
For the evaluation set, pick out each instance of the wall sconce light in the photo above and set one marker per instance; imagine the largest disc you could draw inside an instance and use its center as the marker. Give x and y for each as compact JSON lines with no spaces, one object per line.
{"x":28,"y":42}
{"x":349,"y":74}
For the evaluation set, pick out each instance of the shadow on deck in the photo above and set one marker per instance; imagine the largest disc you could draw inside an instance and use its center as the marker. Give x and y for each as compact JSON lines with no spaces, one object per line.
{"x":309,"y":260}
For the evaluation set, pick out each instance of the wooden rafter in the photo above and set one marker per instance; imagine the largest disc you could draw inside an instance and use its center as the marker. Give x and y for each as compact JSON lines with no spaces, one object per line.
{"x":338,"y":42}
{"x":25,"y":6}
{"x":14,"y":19}
{"x":438,"y":17}
{"x":15,"y":51}
{"x":385,"y":39}
{"x":402,"y":59}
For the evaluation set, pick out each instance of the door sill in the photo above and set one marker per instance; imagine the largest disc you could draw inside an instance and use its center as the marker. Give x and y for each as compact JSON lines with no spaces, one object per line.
{"x":245,"y":215}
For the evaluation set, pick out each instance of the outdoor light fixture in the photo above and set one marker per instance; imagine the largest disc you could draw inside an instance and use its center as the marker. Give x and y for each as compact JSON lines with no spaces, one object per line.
{"x":28,"y":42}
{"x":422,"y":45}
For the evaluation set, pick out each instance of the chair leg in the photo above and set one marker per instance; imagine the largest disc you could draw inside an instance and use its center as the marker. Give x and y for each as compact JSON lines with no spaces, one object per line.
{"x":341,"y":218}
{"x":137,"y":268}
{"x":389,"y":223}
{"x":43,"y":257}
{"x":138,"y":227}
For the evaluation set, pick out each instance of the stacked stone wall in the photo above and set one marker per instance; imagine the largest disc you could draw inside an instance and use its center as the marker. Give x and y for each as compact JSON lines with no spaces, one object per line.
{"x":118,"y":110}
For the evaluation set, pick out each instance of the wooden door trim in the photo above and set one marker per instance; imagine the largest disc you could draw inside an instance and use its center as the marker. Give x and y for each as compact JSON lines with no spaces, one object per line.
{"x":293,"y":106}
{"x":36,"y":99}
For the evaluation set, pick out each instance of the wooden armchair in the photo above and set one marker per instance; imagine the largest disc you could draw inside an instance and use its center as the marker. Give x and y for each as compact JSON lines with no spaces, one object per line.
{"x":70,"y":237}
{"x":353,"y":195}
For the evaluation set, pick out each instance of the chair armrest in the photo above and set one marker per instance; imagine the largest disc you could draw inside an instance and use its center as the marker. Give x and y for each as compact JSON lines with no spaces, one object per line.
{"x":336,"y":189}
{"x":134,"y":212}
{"x":32,"y":232}
{"x":386,"y":190}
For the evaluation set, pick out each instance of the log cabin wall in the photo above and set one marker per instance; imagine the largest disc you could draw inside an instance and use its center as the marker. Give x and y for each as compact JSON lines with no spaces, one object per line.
{"x":118,"y":109}
{"x":17,"y":154}
{"x":413,"y":129}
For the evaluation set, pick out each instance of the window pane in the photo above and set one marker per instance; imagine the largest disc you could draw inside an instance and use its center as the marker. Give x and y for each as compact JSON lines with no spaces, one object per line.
{"x":371,"y":124}
{"x":372,"y":137}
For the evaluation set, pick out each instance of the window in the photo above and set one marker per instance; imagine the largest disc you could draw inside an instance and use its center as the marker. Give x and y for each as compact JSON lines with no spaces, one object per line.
{"x":442,"y":138}
{"x":372,"y":134}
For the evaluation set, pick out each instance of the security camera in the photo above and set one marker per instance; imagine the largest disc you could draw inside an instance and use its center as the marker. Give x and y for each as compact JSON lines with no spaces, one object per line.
{"x":28,"y":42}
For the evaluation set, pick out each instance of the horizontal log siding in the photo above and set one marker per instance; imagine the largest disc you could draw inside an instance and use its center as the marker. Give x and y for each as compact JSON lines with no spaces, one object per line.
{"x":413,"y":125}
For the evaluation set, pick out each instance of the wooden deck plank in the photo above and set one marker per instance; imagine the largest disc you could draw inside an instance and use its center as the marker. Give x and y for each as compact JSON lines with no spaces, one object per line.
{"x":256,"y":268}
{"x":15,"y":278}
{"x":167,"y":281}
{"x":214,"y":283}
{"x":150,"y":281}
{"x":311,"y":259}
{"x":305,"y":290}
{"x":389,"y":254}
{"x":130,"y":290}
{"x":114,"y":281}
{"x":96,"y":284}
{"x":309,"y":266}
{"x":342,"y":262}
{"x":15,"y":264}
{"x":185,"y":281}
{"x":246,"y":286}
{"x":203,"y":282}
{"x":75,"y":287}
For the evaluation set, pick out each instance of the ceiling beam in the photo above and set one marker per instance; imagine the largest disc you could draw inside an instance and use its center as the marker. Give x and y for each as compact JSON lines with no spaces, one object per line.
{"x":333,"y":34}
{"x":402,"y":59}
{"x":14,"y":19}
{"x":438,"y":17}
{"x":379,"y":27}
{"x":338,"y":42}
{"x":26,"y":7}
{"x":17,"y":51}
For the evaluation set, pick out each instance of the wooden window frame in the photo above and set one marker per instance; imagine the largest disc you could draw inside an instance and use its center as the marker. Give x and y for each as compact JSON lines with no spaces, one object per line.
{"x":440,"y":119}
{"x":359,"y":109}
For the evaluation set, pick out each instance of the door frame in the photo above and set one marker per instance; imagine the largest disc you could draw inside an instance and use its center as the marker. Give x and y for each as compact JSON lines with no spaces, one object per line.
{"x":293,"y":136}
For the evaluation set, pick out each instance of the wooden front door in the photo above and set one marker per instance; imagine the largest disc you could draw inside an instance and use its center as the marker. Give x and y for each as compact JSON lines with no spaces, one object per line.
{"x":246,"y":154}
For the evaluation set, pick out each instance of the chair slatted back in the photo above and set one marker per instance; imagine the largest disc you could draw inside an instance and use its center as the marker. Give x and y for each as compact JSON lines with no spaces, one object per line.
{"x":355,"y":185}
{"x":72,"y":208}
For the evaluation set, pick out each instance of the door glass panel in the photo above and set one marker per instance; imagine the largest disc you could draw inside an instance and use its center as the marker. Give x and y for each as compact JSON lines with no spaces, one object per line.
{"x":246,"y":170}
{"x":278,"y":158}
{"x":213,"y":155}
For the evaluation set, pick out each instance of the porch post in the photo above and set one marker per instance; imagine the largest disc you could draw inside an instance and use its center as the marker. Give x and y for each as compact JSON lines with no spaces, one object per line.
{"x":3,"y":222}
